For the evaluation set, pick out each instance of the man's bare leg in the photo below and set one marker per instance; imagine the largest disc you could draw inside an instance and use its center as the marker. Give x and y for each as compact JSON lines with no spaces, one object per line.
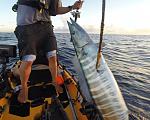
{"x":54,"y":71}
{"x":53,"y":67}
{"x":25,"y":70}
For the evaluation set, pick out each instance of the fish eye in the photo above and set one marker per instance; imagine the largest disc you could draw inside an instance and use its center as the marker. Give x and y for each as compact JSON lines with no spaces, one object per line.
{"x":73,"y":33}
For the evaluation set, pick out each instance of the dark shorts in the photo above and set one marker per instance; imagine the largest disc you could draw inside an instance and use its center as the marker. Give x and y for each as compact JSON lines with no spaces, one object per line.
{"x":35,"y":37}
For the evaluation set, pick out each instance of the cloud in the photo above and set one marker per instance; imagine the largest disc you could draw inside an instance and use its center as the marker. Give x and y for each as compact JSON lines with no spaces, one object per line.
{"x":91,"y":28}
{"x":107,"y":30}
{"x":7,"y":28}
{"x":60,"y":24}
{"x":2,"y":25}
{"x":122,"y":30}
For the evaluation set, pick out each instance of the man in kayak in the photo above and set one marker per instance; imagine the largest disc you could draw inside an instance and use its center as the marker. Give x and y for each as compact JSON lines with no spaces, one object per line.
{"x":34,"y":32}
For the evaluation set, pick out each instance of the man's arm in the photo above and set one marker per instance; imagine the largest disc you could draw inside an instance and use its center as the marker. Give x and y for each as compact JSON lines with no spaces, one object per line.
{"x":76,"y":5}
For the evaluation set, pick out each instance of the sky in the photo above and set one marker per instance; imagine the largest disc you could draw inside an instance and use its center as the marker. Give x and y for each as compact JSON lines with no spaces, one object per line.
{"x":121,"y":17}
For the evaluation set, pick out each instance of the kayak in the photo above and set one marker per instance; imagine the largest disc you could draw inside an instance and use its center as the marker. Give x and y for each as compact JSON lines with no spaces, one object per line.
{"x":40,"y":97}
{"x":94,"y":96}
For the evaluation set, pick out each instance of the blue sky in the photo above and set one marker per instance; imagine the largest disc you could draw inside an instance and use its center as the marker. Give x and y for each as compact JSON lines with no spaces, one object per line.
{"x":122,"y":16}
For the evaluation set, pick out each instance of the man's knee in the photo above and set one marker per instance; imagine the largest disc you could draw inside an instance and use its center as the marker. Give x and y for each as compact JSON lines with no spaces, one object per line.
{"x":52,"y":59}
{"x":29,"y":58}
{"x":27,"y":62}
{"x":51,"y":54}
{"x":25,"y":65}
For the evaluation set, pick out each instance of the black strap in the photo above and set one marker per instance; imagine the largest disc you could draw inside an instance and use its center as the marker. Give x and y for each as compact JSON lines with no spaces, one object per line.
{"x":51,"y":8}
{"x":34,"y":4}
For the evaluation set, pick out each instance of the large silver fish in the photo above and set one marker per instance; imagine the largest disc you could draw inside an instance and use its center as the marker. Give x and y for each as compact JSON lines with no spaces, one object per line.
{"x":101,"y":82}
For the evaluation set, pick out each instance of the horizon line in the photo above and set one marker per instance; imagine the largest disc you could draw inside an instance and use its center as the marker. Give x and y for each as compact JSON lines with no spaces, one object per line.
{"x":89,"y":33}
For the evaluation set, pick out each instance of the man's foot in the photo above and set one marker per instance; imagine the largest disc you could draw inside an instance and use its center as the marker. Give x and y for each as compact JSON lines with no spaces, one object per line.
{"x":22,"y":97}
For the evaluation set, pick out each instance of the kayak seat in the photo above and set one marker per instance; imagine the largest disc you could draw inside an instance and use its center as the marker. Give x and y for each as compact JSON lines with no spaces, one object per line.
{"x":43,"y":91}
{"x":40,"y":76}
{"x":39,"y":85}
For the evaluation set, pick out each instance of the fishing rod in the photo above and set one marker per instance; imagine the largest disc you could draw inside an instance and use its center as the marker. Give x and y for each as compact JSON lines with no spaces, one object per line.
{"x":76,"y":14}
{"x":74,"y":112}
{"x":88,"y":109}
{"x":101,"y":35}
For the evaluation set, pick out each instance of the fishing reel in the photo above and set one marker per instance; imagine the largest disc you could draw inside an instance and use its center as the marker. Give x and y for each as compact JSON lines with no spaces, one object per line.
{"x":76,"y":14}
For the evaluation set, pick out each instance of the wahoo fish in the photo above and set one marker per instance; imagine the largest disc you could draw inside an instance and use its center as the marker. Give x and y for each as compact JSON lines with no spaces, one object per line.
{"x":101,"y":83}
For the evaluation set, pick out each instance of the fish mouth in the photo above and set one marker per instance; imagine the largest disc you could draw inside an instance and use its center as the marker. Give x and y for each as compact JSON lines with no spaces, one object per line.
{"x":78,"y":35}
{"x":72,"y":32}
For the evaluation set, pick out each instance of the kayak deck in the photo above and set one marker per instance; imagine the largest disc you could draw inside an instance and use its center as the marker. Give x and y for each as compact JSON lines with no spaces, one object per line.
{"x":35,"y":106}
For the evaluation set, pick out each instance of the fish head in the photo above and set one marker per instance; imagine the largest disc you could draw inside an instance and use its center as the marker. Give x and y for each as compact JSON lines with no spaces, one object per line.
{"x":82,"y":42}
{"x":78,"y":35}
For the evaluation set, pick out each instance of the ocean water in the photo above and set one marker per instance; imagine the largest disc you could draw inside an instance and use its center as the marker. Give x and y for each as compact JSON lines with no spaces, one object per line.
{"x":128,"y":57}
